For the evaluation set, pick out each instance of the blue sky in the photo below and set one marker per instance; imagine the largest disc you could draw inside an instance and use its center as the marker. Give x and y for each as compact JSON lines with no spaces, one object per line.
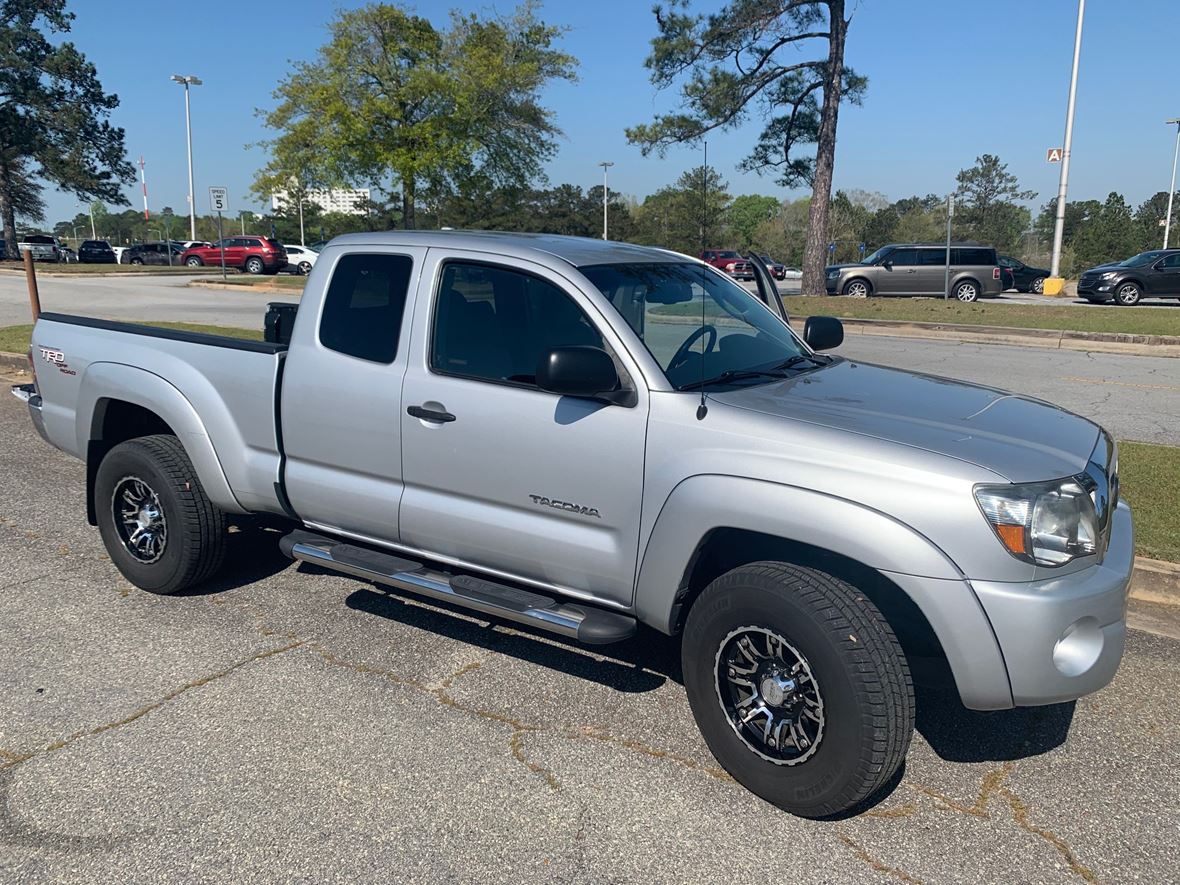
{"x":948,"y":80}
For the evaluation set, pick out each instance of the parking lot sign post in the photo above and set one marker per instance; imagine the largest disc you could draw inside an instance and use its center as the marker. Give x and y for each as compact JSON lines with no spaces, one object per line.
{"x":219,"y":202}
{"x":950,"y":213}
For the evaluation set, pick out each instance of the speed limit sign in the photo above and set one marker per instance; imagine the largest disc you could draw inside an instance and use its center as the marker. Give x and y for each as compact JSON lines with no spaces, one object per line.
{"x":219,"y":199}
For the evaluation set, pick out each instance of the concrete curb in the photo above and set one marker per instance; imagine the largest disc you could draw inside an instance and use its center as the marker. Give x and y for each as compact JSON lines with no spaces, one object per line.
{"x":13,"y":362}
{"x":243,"y":287}
{"x":1155,"y":580}
{"x":1055,"y":339}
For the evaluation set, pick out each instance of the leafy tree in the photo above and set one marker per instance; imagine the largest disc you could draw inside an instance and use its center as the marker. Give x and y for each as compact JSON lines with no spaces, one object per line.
{"x":1109,"y":236}
{"x":767,"y":54}
{"x":987,"y":212}
{"x":392,"y":98}
{"x":746,"y":214}
{"x":53,"y":116}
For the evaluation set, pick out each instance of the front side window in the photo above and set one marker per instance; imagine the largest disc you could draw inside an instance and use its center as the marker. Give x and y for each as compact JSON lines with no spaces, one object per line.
{"x":495,"y":324}
{"x":904,"y":257}
{"x":739,"y":342}
{"x":364,"y":304}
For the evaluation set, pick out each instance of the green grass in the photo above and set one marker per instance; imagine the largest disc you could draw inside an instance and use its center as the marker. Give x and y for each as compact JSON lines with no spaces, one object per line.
{"x":15,"y":339}
{"x":1150,"y":481}
{"x":1075,"y":318}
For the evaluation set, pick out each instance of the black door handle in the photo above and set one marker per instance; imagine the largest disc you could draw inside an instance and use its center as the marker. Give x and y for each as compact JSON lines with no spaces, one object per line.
{"x":430,"y":414}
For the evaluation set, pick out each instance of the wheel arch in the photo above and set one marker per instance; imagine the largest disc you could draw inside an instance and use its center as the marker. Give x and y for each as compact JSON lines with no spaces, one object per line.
{"x":859,"y":278}
{"x":935,"y":610}
{"x":118,"y":402}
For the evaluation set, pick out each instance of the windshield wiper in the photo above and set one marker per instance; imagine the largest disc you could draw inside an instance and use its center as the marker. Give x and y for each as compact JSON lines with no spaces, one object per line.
{"x":734,"y":375}
{"x":801,"y":358}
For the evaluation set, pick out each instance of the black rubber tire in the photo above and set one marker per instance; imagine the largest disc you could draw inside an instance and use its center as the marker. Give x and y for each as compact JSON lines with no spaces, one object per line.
{"x":138,"y":261}
{"x":858,"y":665}
{"x":195,"y":546}
{"x":1133,"y":294}
{"x":967,"y":282}
{"x":194,"y":261}
{"x":1037,"y":286}
{"x":868,"y":287}
{"x":304,"y":268}
{"x":254,"y":266}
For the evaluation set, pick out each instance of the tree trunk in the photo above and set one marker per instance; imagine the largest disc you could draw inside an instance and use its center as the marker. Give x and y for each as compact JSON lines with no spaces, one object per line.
{"x":7,"y":217}
{"x":816,"y":250}
{"x":408,"y":193}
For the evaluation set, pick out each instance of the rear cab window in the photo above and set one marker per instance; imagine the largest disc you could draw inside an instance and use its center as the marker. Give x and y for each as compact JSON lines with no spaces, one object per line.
{"x":364,"y":305}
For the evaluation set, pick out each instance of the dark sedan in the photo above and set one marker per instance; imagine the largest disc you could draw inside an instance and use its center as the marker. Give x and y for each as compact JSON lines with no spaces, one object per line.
{"x":1023,"y":278}
{"x":96,"y":252}
{"x":153,"y":253}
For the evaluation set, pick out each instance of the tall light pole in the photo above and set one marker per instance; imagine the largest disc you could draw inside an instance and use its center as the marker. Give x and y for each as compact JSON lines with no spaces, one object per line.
{"x":188,"y":126}
{"x":1063,"y":187}
{"x":1172,"y":189}
{"x":93,"y":234}
{"x":606,"y":164}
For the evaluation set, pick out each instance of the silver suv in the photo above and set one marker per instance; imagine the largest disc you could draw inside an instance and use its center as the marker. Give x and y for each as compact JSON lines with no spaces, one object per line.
{"x":919,"y":269}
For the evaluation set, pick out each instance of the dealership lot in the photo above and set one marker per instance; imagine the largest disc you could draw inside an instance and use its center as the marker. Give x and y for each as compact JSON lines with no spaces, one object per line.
{"x":294,"y":725}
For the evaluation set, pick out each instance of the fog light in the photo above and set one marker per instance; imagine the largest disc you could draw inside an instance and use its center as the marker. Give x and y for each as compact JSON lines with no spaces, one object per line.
{"x":1078,"y":648}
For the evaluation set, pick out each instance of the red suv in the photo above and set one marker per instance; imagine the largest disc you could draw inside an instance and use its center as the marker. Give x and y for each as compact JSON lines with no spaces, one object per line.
{"x":252,"y":254}
{"x":730,"y":262}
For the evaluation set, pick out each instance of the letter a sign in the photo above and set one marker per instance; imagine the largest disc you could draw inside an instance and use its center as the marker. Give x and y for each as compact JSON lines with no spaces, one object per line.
{"x":1054,"y":155}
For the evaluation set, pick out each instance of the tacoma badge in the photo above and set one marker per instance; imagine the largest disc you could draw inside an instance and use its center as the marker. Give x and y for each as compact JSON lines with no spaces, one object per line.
{"x":565,"y":505}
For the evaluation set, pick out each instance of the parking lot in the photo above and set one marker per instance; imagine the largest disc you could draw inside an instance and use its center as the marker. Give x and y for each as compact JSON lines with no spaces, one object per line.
{"x":288,"y":725}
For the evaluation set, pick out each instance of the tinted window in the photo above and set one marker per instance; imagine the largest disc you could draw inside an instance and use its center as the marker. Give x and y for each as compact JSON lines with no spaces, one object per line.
{"x":929,"y":257}
{"x":363,"y":306}
{"x":973,"y":256}
{"x":1171,"y":261}
{"x":495,"y":324}
{"x":38,"y":238}
{"x":904,"y":257}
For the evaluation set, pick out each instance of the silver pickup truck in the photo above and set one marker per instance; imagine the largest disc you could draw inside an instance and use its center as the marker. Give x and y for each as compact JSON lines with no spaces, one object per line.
{"x":582,"y":437}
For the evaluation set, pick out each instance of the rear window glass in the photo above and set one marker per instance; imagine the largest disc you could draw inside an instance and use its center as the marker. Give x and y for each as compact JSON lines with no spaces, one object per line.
{"x":973,"y":256}
{"x":38,"y":238}
{"x":364,"y":304}
{"x":274,"y":244}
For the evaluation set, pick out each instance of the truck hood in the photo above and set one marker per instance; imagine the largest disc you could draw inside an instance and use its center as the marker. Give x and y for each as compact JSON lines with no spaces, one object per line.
{"x":1019,"y":438}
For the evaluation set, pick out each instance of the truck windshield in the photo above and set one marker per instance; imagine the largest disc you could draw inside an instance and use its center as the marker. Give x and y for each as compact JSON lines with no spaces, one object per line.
{"x":741,"y":342}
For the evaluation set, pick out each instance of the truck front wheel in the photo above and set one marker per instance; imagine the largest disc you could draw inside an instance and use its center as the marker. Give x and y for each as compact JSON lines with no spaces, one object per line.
{"x":799,"y":686}
{"x":159,"y":527}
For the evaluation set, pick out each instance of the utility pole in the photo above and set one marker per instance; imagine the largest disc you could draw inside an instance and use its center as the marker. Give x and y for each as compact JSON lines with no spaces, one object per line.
{"x":188,"y":81}
{"x":93,"y":235}
{"x":1172,"y":189}
{"x":950,"y":213}
{"x":606,"y":164}
{"x":1054,"y":283}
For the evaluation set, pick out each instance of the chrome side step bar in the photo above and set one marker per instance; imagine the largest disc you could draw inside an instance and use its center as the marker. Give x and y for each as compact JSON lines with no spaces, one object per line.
{"x":585,"y":623}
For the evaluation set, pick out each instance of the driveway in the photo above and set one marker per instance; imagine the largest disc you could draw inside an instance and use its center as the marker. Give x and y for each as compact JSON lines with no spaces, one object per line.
{"x":287,"y":725}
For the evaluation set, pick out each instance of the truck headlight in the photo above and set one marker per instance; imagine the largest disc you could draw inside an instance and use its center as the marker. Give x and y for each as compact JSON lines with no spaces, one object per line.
{"x":1044,"y":523}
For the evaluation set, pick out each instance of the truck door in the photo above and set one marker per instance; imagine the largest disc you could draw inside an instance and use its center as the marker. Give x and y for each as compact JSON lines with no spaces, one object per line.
{"x":340,"y":399}
{"x":499,"y":473}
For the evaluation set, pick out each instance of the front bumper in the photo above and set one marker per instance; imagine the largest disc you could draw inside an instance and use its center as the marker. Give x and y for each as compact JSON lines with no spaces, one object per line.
{"x":1062,"y":637}
{"x":27,"y":394}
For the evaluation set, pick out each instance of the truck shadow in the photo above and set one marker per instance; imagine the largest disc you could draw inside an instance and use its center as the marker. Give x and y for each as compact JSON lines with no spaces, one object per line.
{"x":957,"y":734}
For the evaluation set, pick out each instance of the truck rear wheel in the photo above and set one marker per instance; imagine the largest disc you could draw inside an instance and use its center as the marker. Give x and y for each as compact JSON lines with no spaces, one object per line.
{"x":799,"y":686}
{"x":159,"y":527}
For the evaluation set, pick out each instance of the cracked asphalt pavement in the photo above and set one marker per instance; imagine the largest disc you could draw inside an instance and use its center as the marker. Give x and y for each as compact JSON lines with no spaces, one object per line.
{"x":292,"y":725}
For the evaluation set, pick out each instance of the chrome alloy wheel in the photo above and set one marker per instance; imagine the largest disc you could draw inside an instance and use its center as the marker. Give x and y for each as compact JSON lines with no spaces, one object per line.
{"x":856,"y":289}
{"x":966,"y":292}
{"x":769,"y":695}
{"x":139,"y":519}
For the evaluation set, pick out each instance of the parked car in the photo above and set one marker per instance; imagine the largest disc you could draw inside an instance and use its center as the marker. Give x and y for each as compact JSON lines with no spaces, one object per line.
{"x":300,"y":259}
{"x":96,"y":252}
{"x":1022,"y":277}
{"x":67,"y":255}
{"x":519,"y":426}
{"x":1154,"y":274}
{"x":42,"y":247}
{"x":729,"y":261}
{"x":154,"y":254}
{"x":919,"y":269}
{"x":252,"y":254}
{"x":776,"y":269}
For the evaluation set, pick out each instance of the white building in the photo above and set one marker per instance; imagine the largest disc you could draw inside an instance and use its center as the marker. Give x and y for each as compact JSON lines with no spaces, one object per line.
{"x":347,"y":201}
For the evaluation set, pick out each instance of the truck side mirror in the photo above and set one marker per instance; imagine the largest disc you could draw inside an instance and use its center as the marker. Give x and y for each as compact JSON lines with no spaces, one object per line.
{"x":578,"y":371}
{"x":823,"y":333}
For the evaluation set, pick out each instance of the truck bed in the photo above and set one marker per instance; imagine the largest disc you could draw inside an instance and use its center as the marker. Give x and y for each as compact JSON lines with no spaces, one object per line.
{"x":218,"y":394}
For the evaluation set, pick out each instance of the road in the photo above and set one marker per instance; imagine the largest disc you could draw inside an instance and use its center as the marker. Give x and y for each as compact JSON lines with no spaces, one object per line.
{"x":288,"y":725}
{"x":161,"y":298}
{"x":1135,"y":397}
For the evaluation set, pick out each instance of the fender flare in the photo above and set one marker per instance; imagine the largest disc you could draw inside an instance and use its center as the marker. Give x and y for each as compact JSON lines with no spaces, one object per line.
{"x":702,"y":504}
{"x":116,"y":381}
